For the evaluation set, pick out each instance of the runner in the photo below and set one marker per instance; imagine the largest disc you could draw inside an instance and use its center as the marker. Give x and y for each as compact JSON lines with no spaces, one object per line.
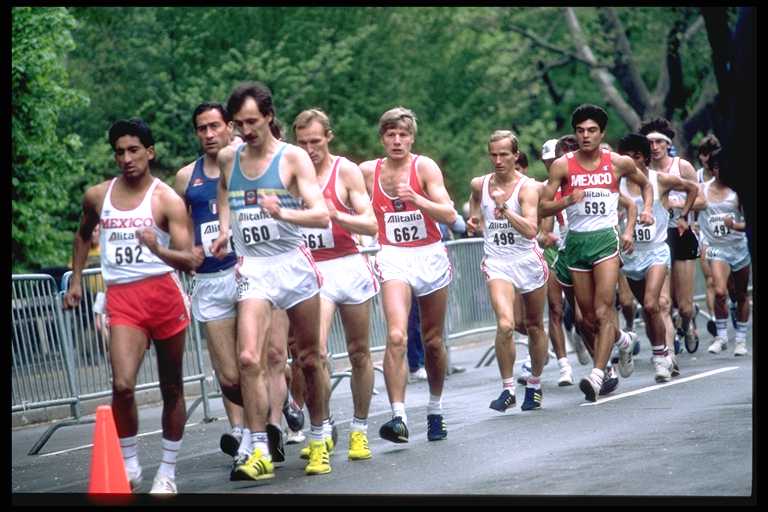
{"x":144,"y":237}
{"x":646,"y":267}
{"x":348,"y":281}
{"x":590,"y":179}
{"x":507,"y":201}
{"x":722,"y":223}
{"x":409,"y":198}
{"x":265,"y":184}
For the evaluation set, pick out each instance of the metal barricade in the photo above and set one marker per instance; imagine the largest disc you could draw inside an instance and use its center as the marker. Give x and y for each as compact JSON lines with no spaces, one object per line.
{"x":85,"y":332}
{"x":41,"y":362}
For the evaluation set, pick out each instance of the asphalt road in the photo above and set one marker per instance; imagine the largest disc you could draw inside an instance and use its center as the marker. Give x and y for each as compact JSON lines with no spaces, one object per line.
{"x":692,"y":437}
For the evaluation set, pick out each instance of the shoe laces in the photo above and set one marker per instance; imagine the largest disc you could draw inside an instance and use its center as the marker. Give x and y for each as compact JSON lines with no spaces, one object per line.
{"x":436,"y":422}
{"x":164,"y":484}
{"x":358,"y":441}
{"x":318,"y":453}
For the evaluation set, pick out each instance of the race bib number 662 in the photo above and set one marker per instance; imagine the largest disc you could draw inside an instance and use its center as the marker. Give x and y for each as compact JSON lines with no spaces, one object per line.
{"x":405,"y":227}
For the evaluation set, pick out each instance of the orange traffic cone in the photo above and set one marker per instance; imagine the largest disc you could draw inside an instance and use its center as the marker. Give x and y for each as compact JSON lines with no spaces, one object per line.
{"x":108,"y":474}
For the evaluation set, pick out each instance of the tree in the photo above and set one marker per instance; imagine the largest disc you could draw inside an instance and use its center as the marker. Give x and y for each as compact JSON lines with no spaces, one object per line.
{"x":45,"y":168}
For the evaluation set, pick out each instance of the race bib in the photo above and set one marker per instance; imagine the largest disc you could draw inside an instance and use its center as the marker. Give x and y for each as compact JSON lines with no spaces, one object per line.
{"x":129,"y":251}
{"x":717,"y":225}
{"x":209,"y":231}
{"x":644,"y":233}
{"x":318,"y":238}
{"x":259,"y":229}
{"x":593,"y":206}
{"x":405,"y":227}
{"x":500,"y":233}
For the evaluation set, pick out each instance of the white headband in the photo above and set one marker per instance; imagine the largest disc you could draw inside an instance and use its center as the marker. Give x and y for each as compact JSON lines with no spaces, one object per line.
{"x":659,"y":136}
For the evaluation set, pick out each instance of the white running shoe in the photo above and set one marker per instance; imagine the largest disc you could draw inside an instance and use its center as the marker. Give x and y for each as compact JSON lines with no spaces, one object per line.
{"x":134,"y":477}
{"x":590,"y":386}
{"x":163,"y":485}
{"x":292,"y":437}
{"x":663,"y":367}
{"x":740,"y":349}
{"x":626,"y":365}
{"x":420,"y":374}
{"x":718,"y":345}
{"x":566,"y":376}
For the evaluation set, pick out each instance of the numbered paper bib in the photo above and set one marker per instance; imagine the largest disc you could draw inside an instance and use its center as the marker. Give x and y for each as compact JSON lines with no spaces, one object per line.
{"x":644,"y":233}
{"x":500,"y":234}
{"x":260,"y":230}
{"x":209,"y":231}
{"x":405,"y":227}
{"x":129,"y":251}
{"x":594,"y":206}
{"x":318,"y":238}
{"x":717,"y":225}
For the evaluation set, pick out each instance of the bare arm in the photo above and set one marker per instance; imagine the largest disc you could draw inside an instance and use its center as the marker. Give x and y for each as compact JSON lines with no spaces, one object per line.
{"x":180,"y":255}
{"x":526,"y":224}
{"x":180,"y":184}
{"x":92,"y":200}
{"x":625,"y":167}
{"x":440,"y":207}
{"x":364,"y":222}
{"x":224,"y":161}
{"x":474,"y":223}
{"x":628,"y":237}
{"x":315,"y":212}
{"x":557,"y":173}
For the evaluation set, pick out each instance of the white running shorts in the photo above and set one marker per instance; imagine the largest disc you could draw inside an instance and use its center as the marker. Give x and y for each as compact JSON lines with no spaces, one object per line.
{"x":426,"y":269}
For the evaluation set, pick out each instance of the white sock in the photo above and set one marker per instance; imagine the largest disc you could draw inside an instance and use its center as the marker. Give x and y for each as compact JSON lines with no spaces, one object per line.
{"x":168,"y":465}
{"x":741,"y":331}
{"x":315,"y":432}
{"x":598,"y":375}
{"x":359,"y":425}
{"x":563,"y":362}
{"x":533,"y":382}
{"x":130,"y":448}
{"x":398,"y":409}
{"x":624,"y":340}
{"x":237,"y":430}
{"x":246,"y":447}
{"x":327,"y":428}
{"x":722,"y":328}
{"x":435,"y":405}
{"x":259,"y":441}
{"x":508,"y":384}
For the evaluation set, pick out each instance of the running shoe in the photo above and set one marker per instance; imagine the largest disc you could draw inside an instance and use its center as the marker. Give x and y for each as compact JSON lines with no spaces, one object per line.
{"x":626,"y":365}
{"x":505,"y":401}
{"x":675,"y":367}
{"x":275,"y":442}
{"x":229,"y":443}
{"x":240,"y":459}
{"x":358,"y":446}
{"x":292,"y":437}
{"x":329,"y":446}
{"x":436,"y":430}
{"x":566,"y":376}
{"x":319,"y":459}
{"x":163,"y":485}
{"x":294,"y":415}
{"x":663,"y":367}
{"x":256,"y":467}
{"x":590,"y":386}
{"x":740,"y":348}
{"x":691,"y":340}
{"x":525,"y":372}
{"x":395,"y":430}
{"x":610,"y":382}
{"x":532,"y":399}
{"x":135,"y":477}
{"x":418,"y":375}
{"x":718,"y":345}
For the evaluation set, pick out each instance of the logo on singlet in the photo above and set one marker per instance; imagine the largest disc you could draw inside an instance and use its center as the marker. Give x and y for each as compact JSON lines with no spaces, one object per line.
{"x":212,"y":206}
{"x":197,"y":182}
{"x":251,"y":197}
{"x":587,"y":180}
{"x":398,"y":205}
{"x":394,"y":219}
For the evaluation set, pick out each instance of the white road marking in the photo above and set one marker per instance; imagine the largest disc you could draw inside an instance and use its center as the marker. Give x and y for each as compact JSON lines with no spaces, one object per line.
{"x":659,"y":386}
{"x":91,"y":445}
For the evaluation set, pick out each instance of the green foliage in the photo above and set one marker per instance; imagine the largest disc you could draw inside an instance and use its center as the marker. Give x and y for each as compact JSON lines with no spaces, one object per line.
{"x":45,"y":168}
{"x":463,"y":71}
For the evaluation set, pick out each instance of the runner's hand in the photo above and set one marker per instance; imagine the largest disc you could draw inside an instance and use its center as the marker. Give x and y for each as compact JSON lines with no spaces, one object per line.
{"x":271,"y":204}
{"x":73,"y":296}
